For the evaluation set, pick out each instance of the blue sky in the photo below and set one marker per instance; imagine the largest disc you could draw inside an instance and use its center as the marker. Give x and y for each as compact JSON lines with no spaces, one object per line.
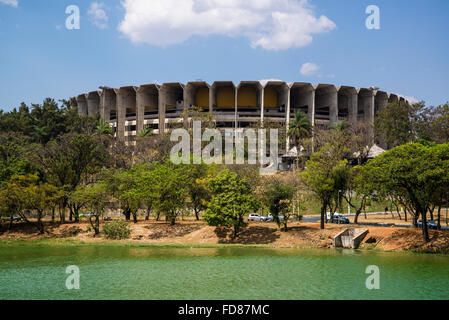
{"x":40,"y":58}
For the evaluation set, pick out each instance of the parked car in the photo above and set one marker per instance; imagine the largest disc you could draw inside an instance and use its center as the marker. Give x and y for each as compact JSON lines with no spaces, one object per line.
{"x":430,"y":224}
{"x":271,"y":218}
{"x":14,"y":219}
{"x":338,"y":219}
{"x":256,"y":217}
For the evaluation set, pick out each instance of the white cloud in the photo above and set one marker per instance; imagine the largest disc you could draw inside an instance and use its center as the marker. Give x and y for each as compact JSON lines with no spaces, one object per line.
{"x":97,"y":14}
{"x":270,"y":24}
{"x":411,"y":100}
{"x":264,"y":82}
{"x":309,"y":69}
{"x":13,"y":3}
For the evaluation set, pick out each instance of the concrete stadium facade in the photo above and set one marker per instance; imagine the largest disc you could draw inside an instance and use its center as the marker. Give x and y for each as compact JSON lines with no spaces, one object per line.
{"x":130,"y":109}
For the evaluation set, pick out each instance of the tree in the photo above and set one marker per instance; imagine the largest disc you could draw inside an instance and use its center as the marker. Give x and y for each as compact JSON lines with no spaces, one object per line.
{"x":392,"y":125}
{"x":122,"y":185}
{"x":70,"y":160}
{"x":357,"y":184}
{"x":146,"y":132}
{"x":171,"y":185}
{"x":415,"y":173}
{"x":231,"y":200}
{"x":14,"y":156}
{"x":278,"y":195}
{"x":25,"y":195}
{"x":321,"y":174}
{"x":199,"y":195}
{"x":440,"y":124}
{"x":104,"y":128}
{"x":300,"y":127}
{"x":94,"y":198}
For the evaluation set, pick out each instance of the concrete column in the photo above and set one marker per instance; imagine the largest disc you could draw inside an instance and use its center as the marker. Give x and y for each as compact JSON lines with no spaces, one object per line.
{"x":333,"y":107}
{"x":262,"y":105}
{"x":108,"y":103}
{"x":102,"y":105}
{"x":162,"y":97}
{"x":121,"y":114}
{"x":140,"y":110}
{"x":369,"y":108}
{"x":236,"y":91}
{"x":211,"y":101}
{"x":81,"y":100}
{"x":93,"y":103}
{"x":311,"y":104}
{"x":352,"y":106}
{"x":287,"y":119}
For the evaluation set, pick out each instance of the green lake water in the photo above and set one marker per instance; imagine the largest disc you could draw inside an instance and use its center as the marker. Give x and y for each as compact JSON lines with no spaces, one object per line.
{"x":114,"y":272}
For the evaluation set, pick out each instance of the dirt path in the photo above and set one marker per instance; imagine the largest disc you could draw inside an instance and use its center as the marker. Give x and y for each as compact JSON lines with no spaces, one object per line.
{"x":304,"y":235}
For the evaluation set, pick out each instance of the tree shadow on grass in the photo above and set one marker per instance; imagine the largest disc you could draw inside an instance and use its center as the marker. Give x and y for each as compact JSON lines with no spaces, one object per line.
{"x":250,"y":235}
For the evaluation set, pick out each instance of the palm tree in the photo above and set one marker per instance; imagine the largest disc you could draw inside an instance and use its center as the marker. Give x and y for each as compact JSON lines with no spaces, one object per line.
{"x":341,"y":125}
{"x":300,"y":127}
{"x":104,"y":128}
{"x":146,"y":132}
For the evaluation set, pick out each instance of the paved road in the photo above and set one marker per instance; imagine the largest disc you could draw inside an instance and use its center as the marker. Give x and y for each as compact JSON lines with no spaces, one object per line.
{"x":315,"y":219}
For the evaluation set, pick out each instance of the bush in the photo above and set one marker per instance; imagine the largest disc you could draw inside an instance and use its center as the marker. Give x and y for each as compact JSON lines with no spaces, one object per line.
{"x":117,"y":230}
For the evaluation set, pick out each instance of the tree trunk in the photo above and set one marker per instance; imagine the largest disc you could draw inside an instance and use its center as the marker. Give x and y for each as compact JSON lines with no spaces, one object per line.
{"x":357,"y":213}
{"x":323,"y":215}
{"x":40,"y":225}
{"x":127,"y":214}
{"x":415,"y":220}
{"x":236,"y":232}
{"x":431,"y":213}
{"x":425,"y":231}
{"x":62,"y":213}
{"x":158,"y":216}
{"x":197,"y":214}
{"x":95,"y":224}
{"x":147,"y":217}
{"x":135,"y":217}
{"x":76,"y":213}
{"x":439,"y":217}
{"x":399,"y":213}
{"x":405,"y":214}
{"x":11,"y":222}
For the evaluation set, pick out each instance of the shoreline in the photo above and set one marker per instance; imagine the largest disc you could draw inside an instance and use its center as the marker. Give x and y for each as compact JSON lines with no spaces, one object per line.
{"x":193,"y":234}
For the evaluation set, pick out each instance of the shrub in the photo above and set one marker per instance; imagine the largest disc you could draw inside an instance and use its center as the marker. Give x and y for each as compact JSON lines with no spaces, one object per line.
{"x":117,"y":230}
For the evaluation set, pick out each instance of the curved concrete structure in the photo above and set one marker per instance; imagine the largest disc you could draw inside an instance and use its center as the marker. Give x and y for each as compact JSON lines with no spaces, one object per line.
{"x":162,"y":107}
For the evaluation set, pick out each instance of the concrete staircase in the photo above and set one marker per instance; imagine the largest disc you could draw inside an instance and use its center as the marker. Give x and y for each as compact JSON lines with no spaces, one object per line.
{"x":350,"y":238}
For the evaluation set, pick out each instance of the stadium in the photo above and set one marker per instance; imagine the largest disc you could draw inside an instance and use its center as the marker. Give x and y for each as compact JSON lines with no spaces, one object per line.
{"x":130,"y":109}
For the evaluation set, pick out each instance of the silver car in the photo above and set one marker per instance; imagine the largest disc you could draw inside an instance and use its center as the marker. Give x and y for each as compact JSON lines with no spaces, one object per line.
{"x":257,"y":217}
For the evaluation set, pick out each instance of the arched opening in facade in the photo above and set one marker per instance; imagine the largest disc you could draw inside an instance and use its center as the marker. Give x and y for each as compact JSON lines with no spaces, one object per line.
{"x":249,"y":103}
{"x":108,"y":107}
{"x":197,"y":94}
{"x":148,"y":107}
{"x":302,"y":98}
{"x":380,"y":100}
{"x":326,"y":106}
{"x":127,"y":113}
{"x":365,"y":108}
{"x":275,"y":101}
{"x":224,"y":104}
{"x":347,"y":104}
{"x":393,"y":98}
